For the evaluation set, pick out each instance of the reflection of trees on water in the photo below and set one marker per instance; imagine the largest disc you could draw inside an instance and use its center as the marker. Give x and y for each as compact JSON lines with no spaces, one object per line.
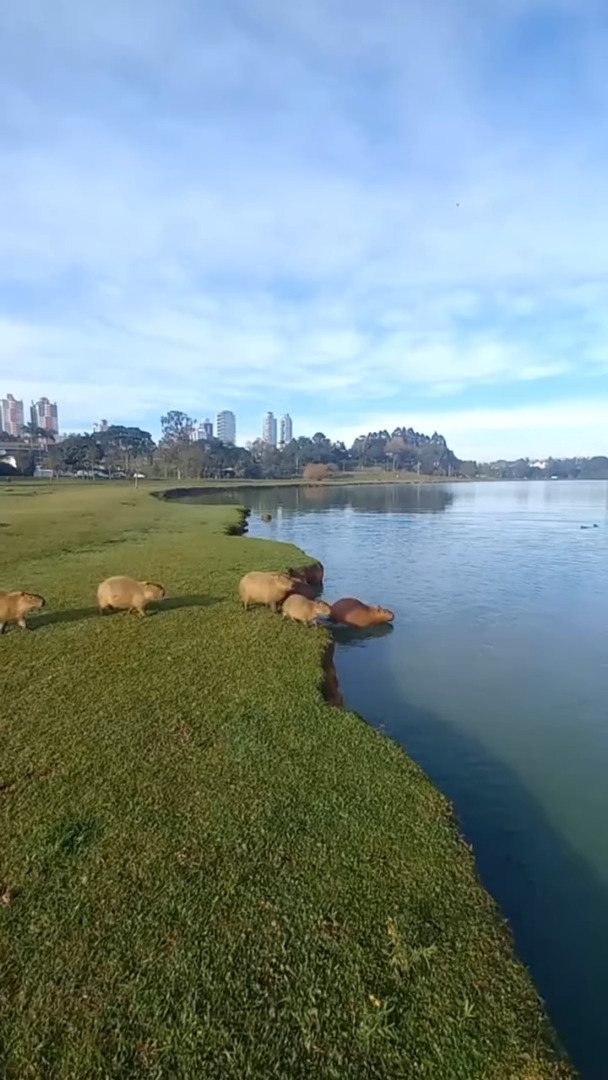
{"x":362,"y":498}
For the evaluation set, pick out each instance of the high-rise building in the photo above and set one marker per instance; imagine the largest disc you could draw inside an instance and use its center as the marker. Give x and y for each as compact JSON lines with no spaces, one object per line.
{"x":11,"y":415}
{"x":206,"y":430}
{"x":44,"y":415}
{"x":269,"y":429}
{"x":225,"y":427}
{"x":286,"y":434}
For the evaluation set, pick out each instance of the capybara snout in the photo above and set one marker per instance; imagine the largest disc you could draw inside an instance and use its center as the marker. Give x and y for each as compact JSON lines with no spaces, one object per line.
{"x":34,"y":600}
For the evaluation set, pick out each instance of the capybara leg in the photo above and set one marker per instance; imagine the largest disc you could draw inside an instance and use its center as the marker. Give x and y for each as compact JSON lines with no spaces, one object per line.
{"x":141,"y":611}
{"x":245,"y":605}
{"x":2,"y":627}
{"x":273,"y":606}
{"x":22,"y":623}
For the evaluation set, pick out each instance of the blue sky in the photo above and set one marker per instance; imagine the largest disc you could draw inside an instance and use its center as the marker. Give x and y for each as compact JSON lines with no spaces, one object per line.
{"x":366,"y":214}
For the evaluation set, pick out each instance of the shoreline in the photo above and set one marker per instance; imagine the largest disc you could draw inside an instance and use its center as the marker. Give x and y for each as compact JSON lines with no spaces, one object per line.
{"x":203,"y":830}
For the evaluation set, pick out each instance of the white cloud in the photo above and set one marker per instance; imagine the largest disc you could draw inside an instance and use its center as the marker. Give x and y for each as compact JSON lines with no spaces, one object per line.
{"x":577,"y":428}
{"x":350,"y":200}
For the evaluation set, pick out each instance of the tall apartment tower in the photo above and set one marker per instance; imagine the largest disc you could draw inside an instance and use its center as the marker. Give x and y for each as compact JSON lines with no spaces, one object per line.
{"x":225,"y":427}
{"x":269,"y":429}
{"x":286,"y":433}
{"x":11,"y":415}
{"x":45,"y":416}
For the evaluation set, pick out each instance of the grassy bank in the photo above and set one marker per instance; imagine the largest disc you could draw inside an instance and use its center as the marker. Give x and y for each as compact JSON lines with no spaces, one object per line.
{"x":206,"y":870}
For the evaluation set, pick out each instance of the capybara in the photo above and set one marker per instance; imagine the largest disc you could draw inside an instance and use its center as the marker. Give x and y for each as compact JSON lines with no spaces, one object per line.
{"x":298,"y":607}
{"x":265,"y":587}
{"x":311,"y":574}
{"x":125,"y":592}
{"x":353,"y":612}
{"x":266,"y":518}
{"x":14,"y":606}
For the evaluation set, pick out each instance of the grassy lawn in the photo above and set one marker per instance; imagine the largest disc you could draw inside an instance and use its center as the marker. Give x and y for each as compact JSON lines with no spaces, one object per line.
{"x":207,"y":872}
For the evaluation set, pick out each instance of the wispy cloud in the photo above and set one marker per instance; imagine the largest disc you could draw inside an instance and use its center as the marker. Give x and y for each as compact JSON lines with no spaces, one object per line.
{"x":339,"y":209}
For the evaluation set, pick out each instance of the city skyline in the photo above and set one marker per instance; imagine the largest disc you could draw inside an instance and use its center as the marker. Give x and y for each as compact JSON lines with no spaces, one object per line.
{"x":12,"y":415}
{"x":225,"y":427}
{"x":286,"y":430}
{"x":269,"y":429}
{"x":43,"y":414}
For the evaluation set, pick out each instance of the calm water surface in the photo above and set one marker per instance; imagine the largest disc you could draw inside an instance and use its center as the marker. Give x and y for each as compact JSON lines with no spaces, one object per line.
{"x":495,"y":679}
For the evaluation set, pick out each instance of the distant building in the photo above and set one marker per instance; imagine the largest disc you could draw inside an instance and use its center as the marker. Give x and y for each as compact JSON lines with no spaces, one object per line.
{"x":100,"y":427}
{"x":44,"y":415}
{"x":225,"y":427}
{"x":286,"y":434}
{"x":11,"y":415}
{"x":205,"y":430}
{"x":269,"y":429}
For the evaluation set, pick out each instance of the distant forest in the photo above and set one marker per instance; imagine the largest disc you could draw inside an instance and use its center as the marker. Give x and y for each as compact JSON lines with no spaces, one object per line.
{"x":129,"y":449}
{"x":124,"y":450}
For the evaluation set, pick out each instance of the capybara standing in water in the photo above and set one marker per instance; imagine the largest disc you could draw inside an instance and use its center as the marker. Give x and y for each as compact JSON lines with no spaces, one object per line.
{"x":312,"y":574}
{"x":265,"y":587}
{"x":14,"y":606}
{"x":353,"y":612}
{"x":298,"y":607}
{"x":125,"y":592}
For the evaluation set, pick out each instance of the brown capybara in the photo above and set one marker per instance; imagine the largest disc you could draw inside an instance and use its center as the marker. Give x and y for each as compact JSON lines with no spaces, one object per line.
{"x":353,"y":612}
{"x":124,"y":592}
{"x":311,"y":575}
{"x":14,"y":606}
{"x":298,"y":607}
{"x":265,"y":587}
{"x":266,"y":518}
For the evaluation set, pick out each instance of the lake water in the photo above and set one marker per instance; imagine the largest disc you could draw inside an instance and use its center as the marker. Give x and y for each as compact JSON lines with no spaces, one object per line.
{"x":494,"y":677}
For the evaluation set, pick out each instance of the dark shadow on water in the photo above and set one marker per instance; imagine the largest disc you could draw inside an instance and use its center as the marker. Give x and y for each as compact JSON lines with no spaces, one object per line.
{"x":363,"y":498}
{"x":357,"y":635}
{"x":554,"y":900}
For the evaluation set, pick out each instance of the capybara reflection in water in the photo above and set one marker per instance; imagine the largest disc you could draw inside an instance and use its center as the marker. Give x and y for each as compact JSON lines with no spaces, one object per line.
{"x":14,"y":606}
{"x":125,"y":592}
{"x":298,"y":607}
{"x":353,"y":612}
{"x":312,"y":575}
{"x":265,"y":587}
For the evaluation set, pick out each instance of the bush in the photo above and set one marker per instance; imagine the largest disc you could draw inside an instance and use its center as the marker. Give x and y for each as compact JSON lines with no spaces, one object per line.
{"x":316,"y":472}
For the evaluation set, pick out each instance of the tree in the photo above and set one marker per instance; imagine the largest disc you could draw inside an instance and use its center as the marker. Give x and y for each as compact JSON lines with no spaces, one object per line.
{"x":120,"y":445}
{"x":80,"y":452}
{"x":177,"y":427}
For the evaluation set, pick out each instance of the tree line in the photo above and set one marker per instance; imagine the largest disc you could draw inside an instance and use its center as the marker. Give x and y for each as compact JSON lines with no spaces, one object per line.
{"x":126,"y":450}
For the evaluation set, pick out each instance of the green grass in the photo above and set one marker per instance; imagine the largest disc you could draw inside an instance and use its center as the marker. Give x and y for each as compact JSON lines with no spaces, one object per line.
{"x":207,"y":872}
